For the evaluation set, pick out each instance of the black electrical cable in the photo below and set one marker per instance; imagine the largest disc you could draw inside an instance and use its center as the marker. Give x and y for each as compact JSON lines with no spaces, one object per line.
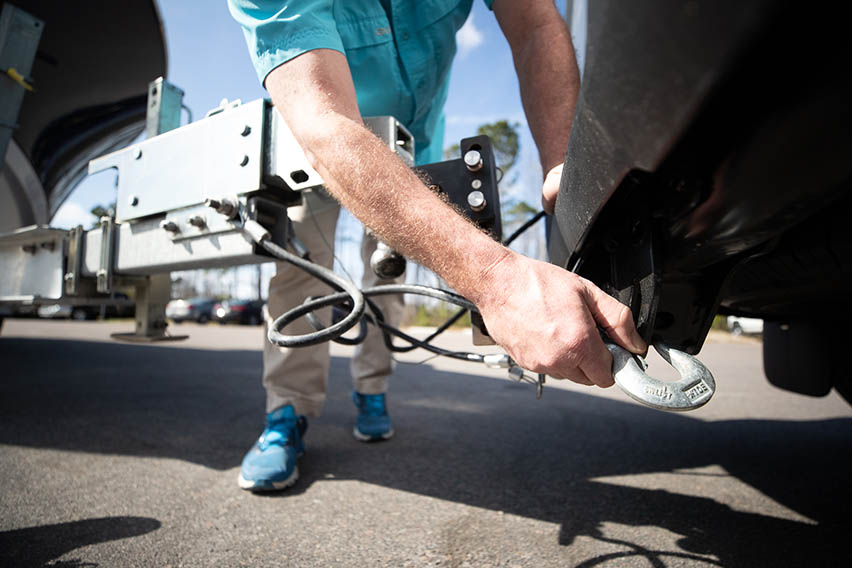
{"x":362,"y":325}
{"x":423,"y":344}
{"x":441,"y":329}
{"x":337,"y":298}
{"x":329,"y":277}
{"x":529,"y":223}
{"x":350,"y":296}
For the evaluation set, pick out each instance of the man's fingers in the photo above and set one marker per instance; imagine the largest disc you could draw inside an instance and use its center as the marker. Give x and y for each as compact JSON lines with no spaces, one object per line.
{"x":548,"y":203}
{"x":578,"y":376}
{"x":598,"y":368}
{"x":550,"y":189}
{"x":615,"y":318}
{"x":590,"y":363}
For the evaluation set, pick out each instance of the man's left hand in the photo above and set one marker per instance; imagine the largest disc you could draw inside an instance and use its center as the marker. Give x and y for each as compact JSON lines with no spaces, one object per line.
{"x":550,"y":189}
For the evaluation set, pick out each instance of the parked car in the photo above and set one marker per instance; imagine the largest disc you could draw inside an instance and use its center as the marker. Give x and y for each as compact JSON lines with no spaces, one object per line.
{"x":119,"y":307}
{"x":19,"y":311}
{"x":740,"y":326}
{"x":194,"y":309}
{"x":5,"y":312}
{"x":246,"y":312}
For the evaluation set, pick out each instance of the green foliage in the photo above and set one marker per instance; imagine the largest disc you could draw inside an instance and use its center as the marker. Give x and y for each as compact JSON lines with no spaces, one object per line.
{"x":100,"y":211}
{"x":504,"y":141}
{"x":720,"y":322}
{"x":426,"y":316}
{"x":451,"y":152}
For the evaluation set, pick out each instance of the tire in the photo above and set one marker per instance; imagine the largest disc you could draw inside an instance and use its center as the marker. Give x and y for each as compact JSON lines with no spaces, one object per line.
{"x":79,"y":314}
{"x":203,"y":318}
{"x":736,"y":330}
{"x":253,"y":320}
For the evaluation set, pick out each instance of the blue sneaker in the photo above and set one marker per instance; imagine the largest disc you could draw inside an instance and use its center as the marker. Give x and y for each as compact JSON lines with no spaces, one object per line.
{"x":270,"y":464}
{"x":373,"y":421}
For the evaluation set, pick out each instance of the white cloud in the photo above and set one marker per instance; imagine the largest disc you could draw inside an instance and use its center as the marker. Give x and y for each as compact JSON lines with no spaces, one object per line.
{"x":70,"y":215}
{"x":469,"y":37}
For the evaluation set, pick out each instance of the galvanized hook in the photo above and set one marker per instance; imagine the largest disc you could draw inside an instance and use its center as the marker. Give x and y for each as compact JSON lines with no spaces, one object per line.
{"x":695,"y":387}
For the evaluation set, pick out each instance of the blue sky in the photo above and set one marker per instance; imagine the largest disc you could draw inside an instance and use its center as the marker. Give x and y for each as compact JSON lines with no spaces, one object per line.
{"x":209,"y":60}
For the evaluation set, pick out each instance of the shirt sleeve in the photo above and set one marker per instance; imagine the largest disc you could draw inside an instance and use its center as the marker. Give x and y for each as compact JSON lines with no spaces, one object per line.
{"x":276,"y":31}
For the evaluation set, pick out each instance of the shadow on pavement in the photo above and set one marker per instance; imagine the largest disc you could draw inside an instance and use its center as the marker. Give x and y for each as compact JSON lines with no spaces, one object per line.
{"x":39,"y":546}
{"x":703,"y":526}
{"x":125,"y":399}
{"x":460,"y":438}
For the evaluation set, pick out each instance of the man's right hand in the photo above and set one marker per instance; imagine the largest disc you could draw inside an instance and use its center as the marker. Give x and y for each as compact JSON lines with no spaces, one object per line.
{"x":546,"y":318}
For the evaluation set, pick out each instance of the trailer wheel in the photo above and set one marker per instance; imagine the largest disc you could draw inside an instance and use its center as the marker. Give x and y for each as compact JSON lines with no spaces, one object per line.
{"x":79,"y":314}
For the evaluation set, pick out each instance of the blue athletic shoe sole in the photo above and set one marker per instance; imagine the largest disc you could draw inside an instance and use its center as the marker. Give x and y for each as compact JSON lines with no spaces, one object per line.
{"x":257,"y":486}
{"x":361,"y":437}
{"x":373,"y":423}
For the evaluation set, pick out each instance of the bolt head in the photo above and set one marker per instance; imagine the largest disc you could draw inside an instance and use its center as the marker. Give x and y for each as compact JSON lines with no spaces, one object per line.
{"x":476,"y":200}
{"x":138,"y":153}
{"x":244,"y":162}
{"x":246,"y":130}
{"x":169,"y":226}
{"x":473,"y":160}
{"x":476,"y":184}
{"x":134,"y":201}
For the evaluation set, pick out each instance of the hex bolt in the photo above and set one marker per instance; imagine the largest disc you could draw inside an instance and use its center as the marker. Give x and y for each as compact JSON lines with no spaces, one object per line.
{"x":476,"y":184}
{"x":138,"y":153}
{"x":198,"y":221}
{"x":476,"y":200}
{"x":169,"y":226}
{"x":227,"y":207}
{"x":473,"y":160}
{"x":133,"y":200}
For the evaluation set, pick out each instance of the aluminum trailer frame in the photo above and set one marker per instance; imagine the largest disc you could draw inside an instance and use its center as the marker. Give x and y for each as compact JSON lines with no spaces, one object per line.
{"x":180,"y":197}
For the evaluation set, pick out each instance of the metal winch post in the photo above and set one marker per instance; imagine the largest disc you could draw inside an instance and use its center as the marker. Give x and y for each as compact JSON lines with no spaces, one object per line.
{"x":153,"y":292}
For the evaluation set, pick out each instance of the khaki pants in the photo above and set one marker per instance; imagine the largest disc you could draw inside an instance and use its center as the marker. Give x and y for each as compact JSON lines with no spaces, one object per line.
{"x":299,"y":376}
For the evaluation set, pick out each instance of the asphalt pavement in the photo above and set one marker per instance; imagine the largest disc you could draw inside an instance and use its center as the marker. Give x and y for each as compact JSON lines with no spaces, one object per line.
{"x":117,"y":454}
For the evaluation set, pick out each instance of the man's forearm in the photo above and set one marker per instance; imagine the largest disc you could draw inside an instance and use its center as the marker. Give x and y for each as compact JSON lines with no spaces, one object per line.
{"x":378,"y":188}
{"x":547,"y":73}
{"x":315,"y":94}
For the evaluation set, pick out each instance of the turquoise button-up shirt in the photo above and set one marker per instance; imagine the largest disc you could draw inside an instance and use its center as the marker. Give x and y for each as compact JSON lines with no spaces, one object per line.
{"x":399,"y":51}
